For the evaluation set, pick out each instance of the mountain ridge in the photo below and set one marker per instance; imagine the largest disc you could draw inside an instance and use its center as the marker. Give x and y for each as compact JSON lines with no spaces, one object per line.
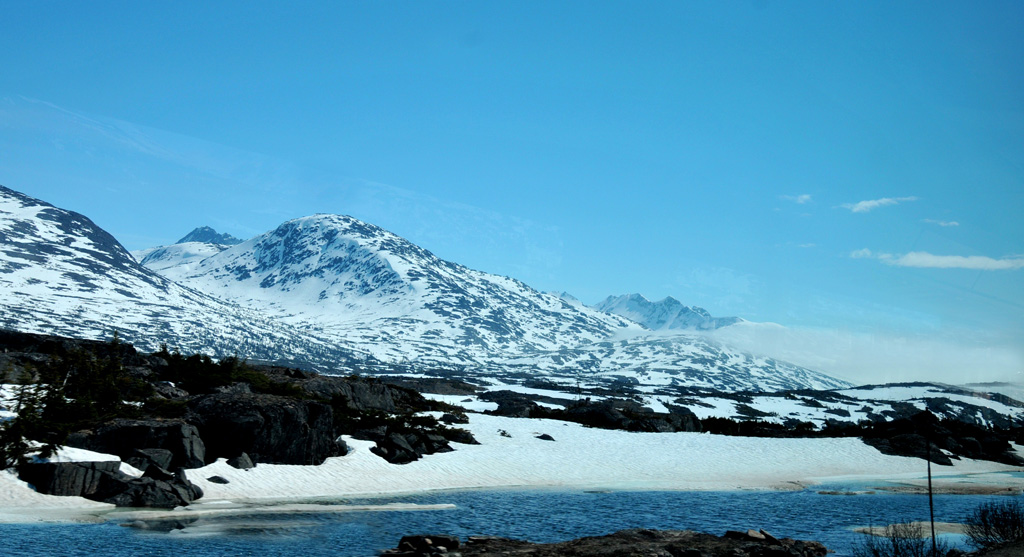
{"x":337,"y":293}
{"x":62,"y":274}
{"x":665,"y":314}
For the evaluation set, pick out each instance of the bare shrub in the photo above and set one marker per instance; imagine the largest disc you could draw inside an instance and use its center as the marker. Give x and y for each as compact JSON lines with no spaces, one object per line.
{"x":995,"y":523}
{"x":905,"y":539}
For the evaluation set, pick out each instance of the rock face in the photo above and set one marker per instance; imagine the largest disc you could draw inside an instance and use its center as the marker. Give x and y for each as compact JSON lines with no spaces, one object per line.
{"x":142,"y":442}
{"x":630,"y":416}
{"x":924,"y":436}
{"x":639,"y":543}
{"x":102,"y":481}
{"x":269,"y":428}
{"x":606,"y":414}
{"x":67,"y":478}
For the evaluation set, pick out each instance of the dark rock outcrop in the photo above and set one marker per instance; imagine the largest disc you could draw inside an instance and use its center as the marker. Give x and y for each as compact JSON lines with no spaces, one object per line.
{"x":155,"y":489}
{"x":630,"y":416}
{"x":428,"y":545}
{"x":125,"y":438}
{"x":242,"y":462}
{"x":102,"y":481}
{"x":923,"y":435}
{"x":143,"y":459}
{"x":640,"y":543}
{"x":67,"y":478}
{"x":403,"y":448}
{"x":269,"y":428}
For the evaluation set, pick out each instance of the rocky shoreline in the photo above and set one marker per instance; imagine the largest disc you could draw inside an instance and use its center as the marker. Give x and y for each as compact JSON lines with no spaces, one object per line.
{"x":625,"y":543}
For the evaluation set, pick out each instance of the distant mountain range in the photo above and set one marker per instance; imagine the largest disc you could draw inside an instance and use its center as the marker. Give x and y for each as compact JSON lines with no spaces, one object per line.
{"x":334,"y":292}
{"x":667,"y":314}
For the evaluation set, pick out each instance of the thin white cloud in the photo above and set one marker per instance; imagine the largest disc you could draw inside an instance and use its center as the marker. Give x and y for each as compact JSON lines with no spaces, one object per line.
{"x":975,"y":262}
{"x":925,"y":260}
{"x":801,"y":199}
{"x":942,"y":222}
{"x":881,"y":356}
{"x":870,"y":204}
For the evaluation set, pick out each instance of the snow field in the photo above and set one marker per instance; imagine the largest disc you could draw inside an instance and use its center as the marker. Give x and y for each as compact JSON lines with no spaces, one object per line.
{"x":579,"y":458}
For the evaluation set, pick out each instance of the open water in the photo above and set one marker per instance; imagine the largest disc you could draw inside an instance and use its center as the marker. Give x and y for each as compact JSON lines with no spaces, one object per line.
{"x":537,"y":515}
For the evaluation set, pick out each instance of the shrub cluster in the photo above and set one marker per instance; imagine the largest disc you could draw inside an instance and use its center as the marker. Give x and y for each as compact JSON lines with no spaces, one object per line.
{"x":905,"y":539}
{"x":995,"y":523}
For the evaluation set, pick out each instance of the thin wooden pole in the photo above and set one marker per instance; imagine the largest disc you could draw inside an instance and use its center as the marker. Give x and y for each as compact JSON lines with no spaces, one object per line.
{"x":931,"y":502}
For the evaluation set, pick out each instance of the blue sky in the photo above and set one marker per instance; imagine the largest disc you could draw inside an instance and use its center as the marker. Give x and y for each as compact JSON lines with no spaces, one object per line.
{"x":830,"y":166}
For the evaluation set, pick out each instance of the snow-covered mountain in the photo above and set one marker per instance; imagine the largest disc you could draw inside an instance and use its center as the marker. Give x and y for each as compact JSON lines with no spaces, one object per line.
{"x":332,"y":292}
{"x":207,"y":235}
{"x":340,"y":276}
{"x":61,"y":274}
{"x":665,"y":314}
{"x":350,"y":278}
{"x":195,"y":246}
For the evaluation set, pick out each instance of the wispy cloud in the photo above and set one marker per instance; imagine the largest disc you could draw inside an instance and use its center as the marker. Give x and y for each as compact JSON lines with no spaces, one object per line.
{"x":942,"y":222}
{"x":871,"y":204}
{"x":925,"y":260}
{"x":881,"y":356}
{"x":801,"y":199}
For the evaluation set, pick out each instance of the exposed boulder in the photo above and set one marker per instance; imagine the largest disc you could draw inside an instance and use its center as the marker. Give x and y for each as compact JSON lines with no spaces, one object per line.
{"x":67,"y":478}
{"x":268,"y":428}
{"x":405,"y":447}
{"x":242,"y":462}
{"x":125,"y":437}
{"x":143,"y":459}
{"x":102,"y":481}
{"x":428,"y":545}
{"x":454,"y":418}
{"x":155,"y":489}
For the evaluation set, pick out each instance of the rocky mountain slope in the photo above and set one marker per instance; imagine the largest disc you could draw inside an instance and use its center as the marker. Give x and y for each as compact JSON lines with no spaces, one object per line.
{"x":62,"y":274}
{"x":346,"y":277}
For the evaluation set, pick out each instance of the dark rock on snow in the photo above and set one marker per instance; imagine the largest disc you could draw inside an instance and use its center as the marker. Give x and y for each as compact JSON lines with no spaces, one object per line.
{"x":450,"y":418}
{"x":242,"y":462}
{"x":67,"y":478}
{"x":403,"y":448}
{"x":102,"y":481}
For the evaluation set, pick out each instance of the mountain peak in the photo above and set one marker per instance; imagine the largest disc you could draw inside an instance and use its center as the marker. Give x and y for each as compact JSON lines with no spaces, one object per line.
{"x":207,"y":235}
{"x":668,"y":313}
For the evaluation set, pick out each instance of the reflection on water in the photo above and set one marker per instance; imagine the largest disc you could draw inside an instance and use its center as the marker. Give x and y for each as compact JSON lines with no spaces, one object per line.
{"x":538,"y":515}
